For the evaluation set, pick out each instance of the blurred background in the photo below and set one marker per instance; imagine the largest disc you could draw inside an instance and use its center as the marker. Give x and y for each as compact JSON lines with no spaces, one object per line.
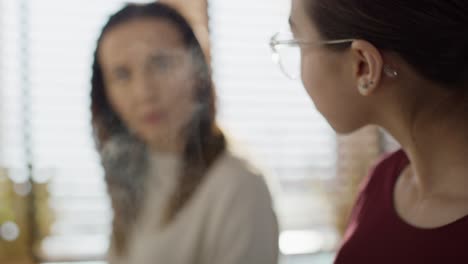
{"x":53,"y":201}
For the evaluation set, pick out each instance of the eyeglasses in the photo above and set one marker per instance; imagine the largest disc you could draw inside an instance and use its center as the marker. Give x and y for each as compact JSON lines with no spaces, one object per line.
{"x":286,"y":52}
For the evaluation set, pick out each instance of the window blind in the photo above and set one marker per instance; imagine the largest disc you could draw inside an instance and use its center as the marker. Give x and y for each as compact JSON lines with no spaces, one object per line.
{"x":267,"y":112}
{"x":46,"y":56}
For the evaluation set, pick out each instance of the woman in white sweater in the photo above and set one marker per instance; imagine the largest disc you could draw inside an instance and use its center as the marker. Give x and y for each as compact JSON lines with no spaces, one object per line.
{"x":179,"y":194}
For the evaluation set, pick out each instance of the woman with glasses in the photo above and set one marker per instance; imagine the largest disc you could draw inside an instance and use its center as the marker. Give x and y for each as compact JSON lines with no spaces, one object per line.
{"x":401,"y":65}
{"x":179,"y":193}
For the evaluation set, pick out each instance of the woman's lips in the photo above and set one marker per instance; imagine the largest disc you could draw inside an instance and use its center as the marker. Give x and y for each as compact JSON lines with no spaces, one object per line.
{"x":153,"y":118}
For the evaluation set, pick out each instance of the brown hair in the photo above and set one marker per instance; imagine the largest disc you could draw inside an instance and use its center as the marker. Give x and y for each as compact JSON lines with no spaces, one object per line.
{"x":431,"y":35}
{"x":125,"y":158}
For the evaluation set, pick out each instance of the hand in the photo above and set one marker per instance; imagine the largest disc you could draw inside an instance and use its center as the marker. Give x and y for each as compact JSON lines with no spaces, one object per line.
{"x":196,"y":13}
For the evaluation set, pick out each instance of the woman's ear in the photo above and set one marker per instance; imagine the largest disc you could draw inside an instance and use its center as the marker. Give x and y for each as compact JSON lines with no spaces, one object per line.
{"x":368,"y":66}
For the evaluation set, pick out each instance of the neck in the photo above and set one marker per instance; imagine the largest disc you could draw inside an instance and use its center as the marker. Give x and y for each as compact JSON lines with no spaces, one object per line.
{"x":435,"y":137}
{"x":167,"y":147}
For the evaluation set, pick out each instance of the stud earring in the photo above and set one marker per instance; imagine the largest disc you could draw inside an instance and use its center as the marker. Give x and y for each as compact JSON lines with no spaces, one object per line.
{"x":390,"y":72}
{"x":364,"y":87}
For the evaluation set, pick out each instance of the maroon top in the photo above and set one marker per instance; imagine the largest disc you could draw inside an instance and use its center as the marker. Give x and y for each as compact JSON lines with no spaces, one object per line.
{"x":376,"y":234}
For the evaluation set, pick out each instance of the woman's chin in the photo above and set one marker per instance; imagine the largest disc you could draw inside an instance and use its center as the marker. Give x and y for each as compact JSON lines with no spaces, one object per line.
{"x":344,"y":129}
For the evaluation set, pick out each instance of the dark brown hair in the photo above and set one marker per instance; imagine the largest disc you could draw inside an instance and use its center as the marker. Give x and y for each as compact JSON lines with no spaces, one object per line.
{"x":431,"y":35}
{"x":125,"y":157}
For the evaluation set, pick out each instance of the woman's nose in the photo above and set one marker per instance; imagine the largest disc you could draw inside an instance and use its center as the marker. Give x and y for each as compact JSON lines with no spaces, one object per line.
{"x":144,"y":87}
